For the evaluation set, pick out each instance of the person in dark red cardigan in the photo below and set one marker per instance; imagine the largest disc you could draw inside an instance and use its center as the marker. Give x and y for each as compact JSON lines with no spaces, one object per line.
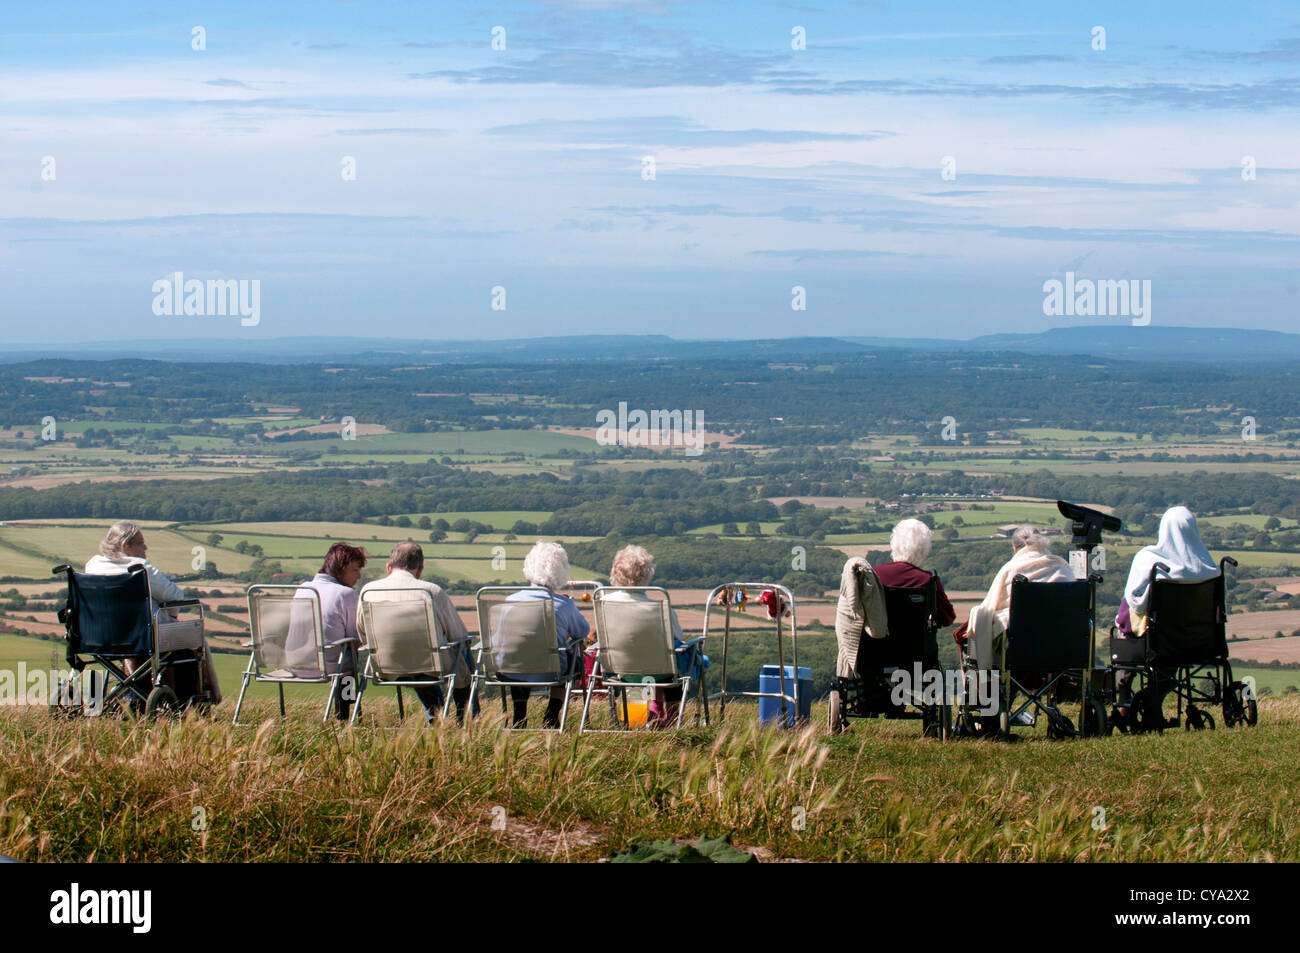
{"x":909,"y":547}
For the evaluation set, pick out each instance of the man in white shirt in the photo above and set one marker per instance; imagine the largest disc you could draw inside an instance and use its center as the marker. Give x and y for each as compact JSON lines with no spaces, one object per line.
{"x":405,"y":567}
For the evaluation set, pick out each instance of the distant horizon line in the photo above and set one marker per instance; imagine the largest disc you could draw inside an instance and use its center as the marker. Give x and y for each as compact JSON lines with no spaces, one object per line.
{"x":248,"y":339}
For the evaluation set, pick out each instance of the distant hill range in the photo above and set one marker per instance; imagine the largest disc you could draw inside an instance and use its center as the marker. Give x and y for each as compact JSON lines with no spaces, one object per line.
{"x":1111,"y":342}
{"x":1151,"y":343}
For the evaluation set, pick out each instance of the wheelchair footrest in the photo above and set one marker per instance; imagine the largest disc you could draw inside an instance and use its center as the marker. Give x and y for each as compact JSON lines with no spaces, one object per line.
{"x":868,"y":698}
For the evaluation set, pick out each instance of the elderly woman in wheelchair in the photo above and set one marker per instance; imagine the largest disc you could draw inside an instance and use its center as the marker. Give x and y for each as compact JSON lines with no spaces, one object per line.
{"x":1185,"y":652}
{"x":982,"y":637}
{"x":123,"y":552}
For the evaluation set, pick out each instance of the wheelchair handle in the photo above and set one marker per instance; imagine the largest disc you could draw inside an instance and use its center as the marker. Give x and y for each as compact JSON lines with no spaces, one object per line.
{"x":1229,"y":560}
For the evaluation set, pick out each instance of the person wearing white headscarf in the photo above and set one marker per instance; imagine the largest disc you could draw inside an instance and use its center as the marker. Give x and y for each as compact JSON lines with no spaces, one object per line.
{"x":1179,"y":547}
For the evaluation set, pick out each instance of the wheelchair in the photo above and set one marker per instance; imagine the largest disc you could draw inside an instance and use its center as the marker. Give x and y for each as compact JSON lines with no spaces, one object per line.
{"x":109,"y":620}
{"x":1183,"y":652}
{"x":911,"y":644}
{"x":1046,"y":655}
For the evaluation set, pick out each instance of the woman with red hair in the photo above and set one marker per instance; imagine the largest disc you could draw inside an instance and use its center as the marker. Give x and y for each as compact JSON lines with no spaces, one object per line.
{"x":336,"y":585}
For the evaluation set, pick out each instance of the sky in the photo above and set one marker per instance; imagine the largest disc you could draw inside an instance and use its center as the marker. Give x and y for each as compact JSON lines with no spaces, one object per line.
{"x":917,"y":169}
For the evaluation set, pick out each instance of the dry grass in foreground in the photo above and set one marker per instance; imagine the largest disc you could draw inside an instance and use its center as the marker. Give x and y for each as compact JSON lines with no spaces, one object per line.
{"x":122,"y":790}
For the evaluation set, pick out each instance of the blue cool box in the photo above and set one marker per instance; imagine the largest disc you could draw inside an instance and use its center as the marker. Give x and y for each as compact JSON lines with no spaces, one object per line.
{"x":769,"y":680}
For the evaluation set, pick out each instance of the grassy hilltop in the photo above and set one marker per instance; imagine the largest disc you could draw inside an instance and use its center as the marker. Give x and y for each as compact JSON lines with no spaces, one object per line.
{"x":110,"y":790}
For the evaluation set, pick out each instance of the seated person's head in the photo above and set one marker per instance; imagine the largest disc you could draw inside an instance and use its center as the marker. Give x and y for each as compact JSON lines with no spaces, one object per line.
{"x":343,"y":563}
{"x":633,"y":566}
{"x":1030,"y":537}
{"x":408,"y":556}
{"x":910,"y":542}
{"x":124,"y":538}
{"x":547,"y":564}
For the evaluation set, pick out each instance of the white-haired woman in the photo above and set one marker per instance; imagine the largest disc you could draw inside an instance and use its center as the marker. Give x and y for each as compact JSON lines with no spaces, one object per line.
{"x":1032,"y":558}
{"x":122,"y":549}
{"x":909,"y":547}
{"x":547,"y":566}
{"x":634,"y":567}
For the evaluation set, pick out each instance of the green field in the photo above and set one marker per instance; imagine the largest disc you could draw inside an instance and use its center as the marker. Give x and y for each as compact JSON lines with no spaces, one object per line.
{"x":532,"y":442}
{"x":32,"y":552}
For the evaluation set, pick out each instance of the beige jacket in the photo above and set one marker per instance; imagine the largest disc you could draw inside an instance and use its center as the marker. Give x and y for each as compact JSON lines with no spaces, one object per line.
{"x":861,"y":608}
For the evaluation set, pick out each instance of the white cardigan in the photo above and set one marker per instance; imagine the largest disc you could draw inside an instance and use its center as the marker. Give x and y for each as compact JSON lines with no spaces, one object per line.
{"x":161,"y":588}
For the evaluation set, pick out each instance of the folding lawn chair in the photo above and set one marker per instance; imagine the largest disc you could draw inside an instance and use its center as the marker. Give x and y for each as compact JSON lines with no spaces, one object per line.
{"x":635,"y":648}
{"x":288,"y":644}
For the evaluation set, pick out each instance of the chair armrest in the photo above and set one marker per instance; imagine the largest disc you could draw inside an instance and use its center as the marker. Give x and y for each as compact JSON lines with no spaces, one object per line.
{"x":686,"y":645}
{"x":347,"y":641}
{"x":180,"y":604}
{"x":248,"y":644}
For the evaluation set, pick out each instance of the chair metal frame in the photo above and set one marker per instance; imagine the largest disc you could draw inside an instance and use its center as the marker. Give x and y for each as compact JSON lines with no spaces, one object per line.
{"x":1141,"y":656}
{"x":127,"y":686}
{"x":787,"y":695}
{"x":1093,"y":717}
{"x":586,"y":589}
{"x":254,"y":671}
{"x":370,"y":672}
{"x":482,"y":675}
{"x":617,"y":681}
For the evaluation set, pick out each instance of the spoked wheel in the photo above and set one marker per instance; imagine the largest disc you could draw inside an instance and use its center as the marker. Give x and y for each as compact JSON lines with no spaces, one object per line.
{"x":161,"y":701}
{"x":1198,"y":720}
{"x":1093,"y":720}
{"x":1145,"y":715}
{"x":1239,"y":706}
{"x":1058,"y":725}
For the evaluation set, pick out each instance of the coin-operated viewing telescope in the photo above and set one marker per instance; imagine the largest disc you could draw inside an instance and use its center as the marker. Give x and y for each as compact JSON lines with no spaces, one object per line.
{"x":1088,"y":524}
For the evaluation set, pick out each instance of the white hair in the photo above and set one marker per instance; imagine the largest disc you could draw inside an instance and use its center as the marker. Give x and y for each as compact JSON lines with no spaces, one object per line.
{"x":1031,"y":537}
{"x":118,"y":536}
{"x":547,"y":564}
{"x":633,"y":566}
{"x":910,"y":542}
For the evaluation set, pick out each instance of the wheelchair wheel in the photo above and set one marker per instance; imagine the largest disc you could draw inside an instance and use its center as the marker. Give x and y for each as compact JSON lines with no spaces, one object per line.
{"x":1199,"y":720}
{"x":1145,"y":715}
{"x":1093,"y":720}
{"x":1238,"y":709}
{"x":1058,"y":725}
{"x":161,"y":701}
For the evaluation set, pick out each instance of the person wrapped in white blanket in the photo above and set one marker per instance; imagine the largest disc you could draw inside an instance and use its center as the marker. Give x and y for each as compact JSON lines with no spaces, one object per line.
{"x":987,"y":624}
